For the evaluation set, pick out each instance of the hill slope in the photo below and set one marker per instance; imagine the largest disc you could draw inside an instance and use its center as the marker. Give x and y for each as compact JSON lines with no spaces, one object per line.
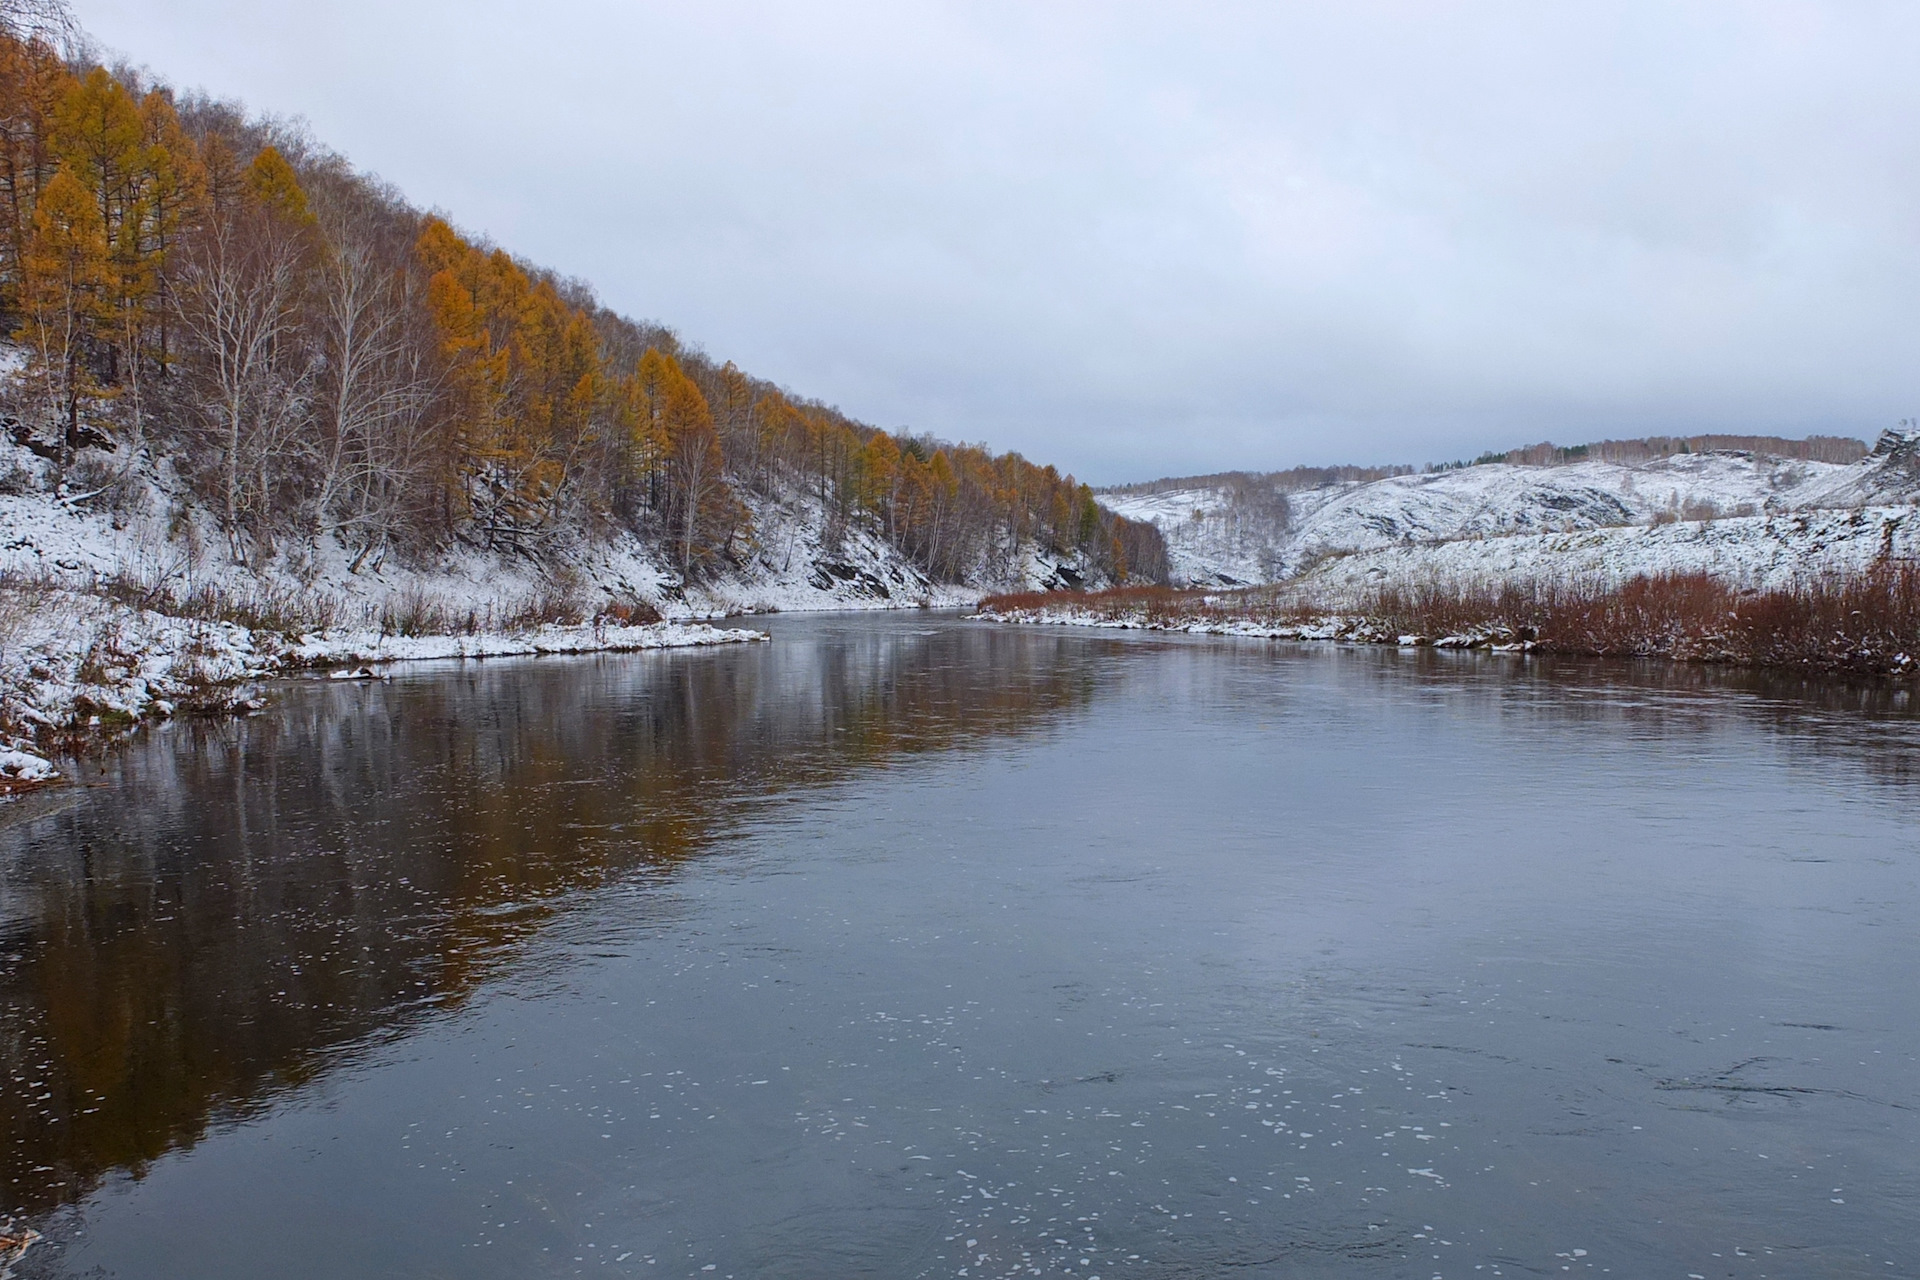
{"x":1217,"y":535}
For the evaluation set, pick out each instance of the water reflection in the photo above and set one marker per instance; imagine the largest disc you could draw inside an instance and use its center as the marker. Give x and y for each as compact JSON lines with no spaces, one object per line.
{"x":295,"y":884}
{"x":1272,"y":874}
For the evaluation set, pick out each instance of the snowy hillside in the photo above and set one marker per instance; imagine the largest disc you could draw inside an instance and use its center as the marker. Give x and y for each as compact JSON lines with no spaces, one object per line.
{"x":155,"y":536}
{"x":1213,"y":539}
{"x":1749,"y":551}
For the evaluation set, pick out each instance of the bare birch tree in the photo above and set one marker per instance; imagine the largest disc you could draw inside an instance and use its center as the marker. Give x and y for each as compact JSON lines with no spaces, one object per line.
{"x":239,"y":311}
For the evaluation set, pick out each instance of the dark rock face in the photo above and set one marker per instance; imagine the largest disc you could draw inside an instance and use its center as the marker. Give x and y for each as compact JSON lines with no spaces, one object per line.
{"x":1900,"y":449}
{"x":26,"y":437}
{"x":827,"y":572}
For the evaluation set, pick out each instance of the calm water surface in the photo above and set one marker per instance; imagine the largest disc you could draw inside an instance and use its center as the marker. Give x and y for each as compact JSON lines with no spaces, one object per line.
{"x":909,"y":947}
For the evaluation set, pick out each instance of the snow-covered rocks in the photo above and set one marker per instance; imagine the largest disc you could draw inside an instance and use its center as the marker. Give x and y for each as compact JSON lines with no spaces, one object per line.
{"x":24,"y":766}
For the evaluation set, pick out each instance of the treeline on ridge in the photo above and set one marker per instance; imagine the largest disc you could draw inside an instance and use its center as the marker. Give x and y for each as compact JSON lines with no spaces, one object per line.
{"x":1836,"y":449}
{"x":318,"y":360}
{"x":1839,"y":449}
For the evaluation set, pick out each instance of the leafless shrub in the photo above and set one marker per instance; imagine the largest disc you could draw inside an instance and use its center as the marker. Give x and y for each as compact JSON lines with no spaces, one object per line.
{"x":415,"y":612}
{"x":1867,"y":621}
{"x":20,"y":599}
{"x":104,"y":485}
{"x":259,"y":606}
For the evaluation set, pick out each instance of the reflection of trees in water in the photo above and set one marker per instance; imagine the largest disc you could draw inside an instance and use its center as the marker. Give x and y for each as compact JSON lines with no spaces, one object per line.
{"x":249,"y":897}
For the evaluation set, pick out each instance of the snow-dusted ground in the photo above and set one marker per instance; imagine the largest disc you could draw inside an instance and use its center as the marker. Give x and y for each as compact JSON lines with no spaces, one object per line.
{"x":73,"y":660}
{"x":72,"y":654}
{"x":1750,"y":551}
{"x":1350,"y":628}
{"x":1411,"y":524}
{"x":163,"y":540}
{"x":1209,"y":541}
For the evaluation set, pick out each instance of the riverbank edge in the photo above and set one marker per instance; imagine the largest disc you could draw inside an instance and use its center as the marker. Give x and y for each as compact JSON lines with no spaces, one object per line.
{"x":1336,"y":628}
{"x":80,"y":673}
{"x":1846,"y":625}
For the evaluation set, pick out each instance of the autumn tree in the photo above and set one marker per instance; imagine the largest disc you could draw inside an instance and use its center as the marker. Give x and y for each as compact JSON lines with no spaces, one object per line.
{"x":674,"y":424}
{"x":328,"y":364}
{"x":501,"y":476}
{"x":176,"y":194}
{"x":32,"y":82}
{"x":64,"y":287}
{"x":102,"y":135}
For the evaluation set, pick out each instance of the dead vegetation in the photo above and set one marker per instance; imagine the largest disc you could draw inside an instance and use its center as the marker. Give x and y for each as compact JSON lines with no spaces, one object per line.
{"x":1865,"y":622}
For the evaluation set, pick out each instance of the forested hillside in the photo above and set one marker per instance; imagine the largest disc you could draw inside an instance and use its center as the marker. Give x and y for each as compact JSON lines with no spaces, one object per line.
{"x":219,"y":300}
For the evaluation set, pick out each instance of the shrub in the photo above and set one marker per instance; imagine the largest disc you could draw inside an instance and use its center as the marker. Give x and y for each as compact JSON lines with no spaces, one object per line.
{"x":628,"y":613}
{"x":1867,"y":621}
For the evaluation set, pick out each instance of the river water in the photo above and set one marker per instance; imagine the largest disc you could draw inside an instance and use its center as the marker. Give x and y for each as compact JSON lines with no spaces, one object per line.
{"x":904,"y":946}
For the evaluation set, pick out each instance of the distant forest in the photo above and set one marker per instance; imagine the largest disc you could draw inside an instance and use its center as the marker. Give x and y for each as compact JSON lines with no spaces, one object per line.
{"x":318,"y":360}
{"x":1840,"y":449}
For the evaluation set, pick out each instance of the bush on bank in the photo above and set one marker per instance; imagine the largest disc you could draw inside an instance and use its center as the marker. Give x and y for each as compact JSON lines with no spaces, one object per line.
{"x":1864,"y":622}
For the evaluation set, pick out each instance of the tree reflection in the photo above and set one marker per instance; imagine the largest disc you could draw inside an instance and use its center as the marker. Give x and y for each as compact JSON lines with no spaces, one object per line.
{"x":232,"y":908}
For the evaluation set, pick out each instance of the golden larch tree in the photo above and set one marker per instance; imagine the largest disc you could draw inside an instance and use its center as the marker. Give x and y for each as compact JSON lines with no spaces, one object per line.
{"x":65,"y":274}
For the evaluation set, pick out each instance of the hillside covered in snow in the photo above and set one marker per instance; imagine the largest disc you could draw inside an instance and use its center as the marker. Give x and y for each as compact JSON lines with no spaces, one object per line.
{"x":1741,"y":513}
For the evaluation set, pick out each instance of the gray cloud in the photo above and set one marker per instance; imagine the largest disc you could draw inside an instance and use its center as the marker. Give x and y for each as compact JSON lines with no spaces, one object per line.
{"x":1141,"y":239}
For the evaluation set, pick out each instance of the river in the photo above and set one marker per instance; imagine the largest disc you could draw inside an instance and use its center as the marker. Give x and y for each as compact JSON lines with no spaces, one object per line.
{"x":905,"y":946}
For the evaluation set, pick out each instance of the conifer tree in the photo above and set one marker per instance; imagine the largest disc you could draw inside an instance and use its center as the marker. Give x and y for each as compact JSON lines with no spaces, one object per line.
{"x":97,"y":133}
{"x":65,"y":278}
{"x":176,"y":189}
{"x":274,"y":186}
{"x":32,"y":82}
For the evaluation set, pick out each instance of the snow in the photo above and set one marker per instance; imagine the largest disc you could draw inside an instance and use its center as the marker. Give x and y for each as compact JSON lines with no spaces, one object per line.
{"x":1752,"y":551}
{"x":1211,"y":541}
{"x":368,"y":646}
{"x":792,"y":564}
{"x":85,"y":640}
{"x":23,"y":766}
{"x":75,"y":660}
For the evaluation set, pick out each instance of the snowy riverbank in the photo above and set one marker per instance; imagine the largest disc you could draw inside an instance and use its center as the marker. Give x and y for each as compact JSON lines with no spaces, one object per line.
{"x":1863,"y":622}
{"x":75,"y":665}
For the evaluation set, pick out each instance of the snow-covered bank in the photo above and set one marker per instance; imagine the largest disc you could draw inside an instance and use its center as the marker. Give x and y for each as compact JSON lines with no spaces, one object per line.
{"x":121,"y":600}
{"x":75,"y":664}
{"x":1348,"y":628}
{"x":334,"y":648}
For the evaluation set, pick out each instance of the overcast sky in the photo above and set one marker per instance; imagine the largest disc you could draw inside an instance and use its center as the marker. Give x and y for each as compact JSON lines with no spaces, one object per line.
{"x":1138,"y":240}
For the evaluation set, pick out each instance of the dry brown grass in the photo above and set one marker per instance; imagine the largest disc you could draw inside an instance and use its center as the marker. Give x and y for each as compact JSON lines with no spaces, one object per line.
{"x":1857,"y":622}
